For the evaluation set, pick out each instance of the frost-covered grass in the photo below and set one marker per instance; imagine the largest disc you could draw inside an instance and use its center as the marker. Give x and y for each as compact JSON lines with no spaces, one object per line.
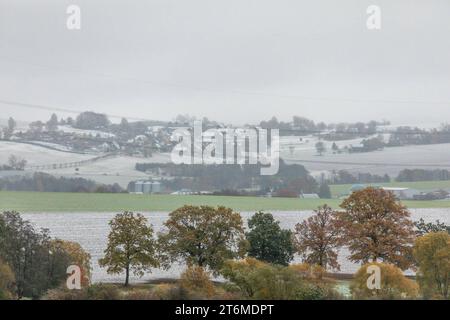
{"x":390,"y":160}
{"x":36,"y":155}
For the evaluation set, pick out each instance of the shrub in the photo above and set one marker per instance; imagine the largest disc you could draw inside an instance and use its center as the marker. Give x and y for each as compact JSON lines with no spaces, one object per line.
{"x":171,"y":292}
{"x":394,"y":285}
{"x":308,"y":271}
{"x":258,"y":280}
{"x":196,"y":279}
{"x":102,"y":292}
{"x":241,"y":274}
{"x":94,"y":292}
{"x":64,"y":294}
{"x":140,"y":294}
{"x":432,"y":253}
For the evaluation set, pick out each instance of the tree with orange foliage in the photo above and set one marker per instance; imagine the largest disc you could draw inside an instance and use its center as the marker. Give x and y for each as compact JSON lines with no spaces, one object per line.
{"x":318,"y":238}
{"x":377,"y":227}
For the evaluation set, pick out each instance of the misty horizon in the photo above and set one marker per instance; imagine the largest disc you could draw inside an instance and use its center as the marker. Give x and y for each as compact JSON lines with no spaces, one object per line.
{"x":231,"y":62}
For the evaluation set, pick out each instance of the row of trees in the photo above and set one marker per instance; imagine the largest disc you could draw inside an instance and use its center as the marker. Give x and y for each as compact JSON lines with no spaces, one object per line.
{"x":372,"y":225}
{"x":43,"y":182}
{"x":36,"y":126}
{"x":31,"y":262}
{"x":341,"y":131}
{"x":405,"y":175}
{"x":416,"y":136}
{"x":51,"y":125}
{"x":209,"y":239}
{"x":346,"y":177}
{"x":400,"y":137}
{"x":292,"y":179}
{"x":408,"y":175}
{"x":14,"y":163}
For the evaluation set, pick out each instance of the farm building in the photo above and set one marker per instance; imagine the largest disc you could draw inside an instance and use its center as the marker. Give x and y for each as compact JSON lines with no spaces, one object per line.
{"x":146,"y":187}
{"x":400,"y":192}
{"x":183,"y":192}
{"x":403,"y":193}
{"x":309,"y":196}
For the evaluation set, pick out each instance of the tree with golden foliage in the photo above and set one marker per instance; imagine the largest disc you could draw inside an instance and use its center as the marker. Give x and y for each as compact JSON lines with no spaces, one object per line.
{"x":131,"y":246}
{"x":377,"y":227}
{"x":77,"y":255}
{"x":318,"y":238}
{"x":432,"y":253}
{"x":204,"y":236}
{"x":394,"y":285}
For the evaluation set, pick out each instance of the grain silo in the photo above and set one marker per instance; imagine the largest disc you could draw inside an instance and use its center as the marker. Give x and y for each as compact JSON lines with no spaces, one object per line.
{"x":156,"y":187}
{"x":138,"y":185}
{"x":147,"y":187}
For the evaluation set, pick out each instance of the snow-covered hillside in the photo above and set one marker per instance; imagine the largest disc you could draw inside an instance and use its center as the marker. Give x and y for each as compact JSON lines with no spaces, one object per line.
{"x":120,"y":169}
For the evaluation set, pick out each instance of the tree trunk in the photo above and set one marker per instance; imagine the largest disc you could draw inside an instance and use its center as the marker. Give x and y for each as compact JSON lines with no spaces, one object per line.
{"x":127,"y":276}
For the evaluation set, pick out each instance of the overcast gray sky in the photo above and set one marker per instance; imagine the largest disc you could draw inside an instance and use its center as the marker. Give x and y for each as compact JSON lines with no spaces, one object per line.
{"x":231,"y":60}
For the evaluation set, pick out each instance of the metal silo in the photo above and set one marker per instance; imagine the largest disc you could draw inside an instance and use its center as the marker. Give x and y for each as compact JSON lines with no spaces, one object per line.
{"x":138,"y":186}
{"x":147,"y":187}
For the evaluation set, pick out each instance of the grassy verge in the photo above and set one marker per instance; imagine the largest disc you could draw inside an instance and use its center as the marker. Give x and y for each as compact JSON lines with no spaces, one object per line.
{"x":93,"y":202}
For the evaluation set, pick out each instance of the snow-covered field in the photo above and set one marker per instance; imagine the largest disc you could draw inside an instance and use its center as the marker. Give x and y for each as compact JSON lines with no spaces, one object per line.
{"x":36,"y":155}
{"x":112,"y":170}
{"x":52,"y":145}
{"x":308,"y":143}
{"x":389,"y":160}
{"x":121,"y":169}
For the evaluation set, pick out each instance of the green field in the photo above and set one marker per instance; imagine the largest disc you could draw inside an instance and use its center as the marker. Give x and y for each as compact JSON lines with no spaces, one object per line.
{"x":94,"y":202}
{"x":341,"y":189}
